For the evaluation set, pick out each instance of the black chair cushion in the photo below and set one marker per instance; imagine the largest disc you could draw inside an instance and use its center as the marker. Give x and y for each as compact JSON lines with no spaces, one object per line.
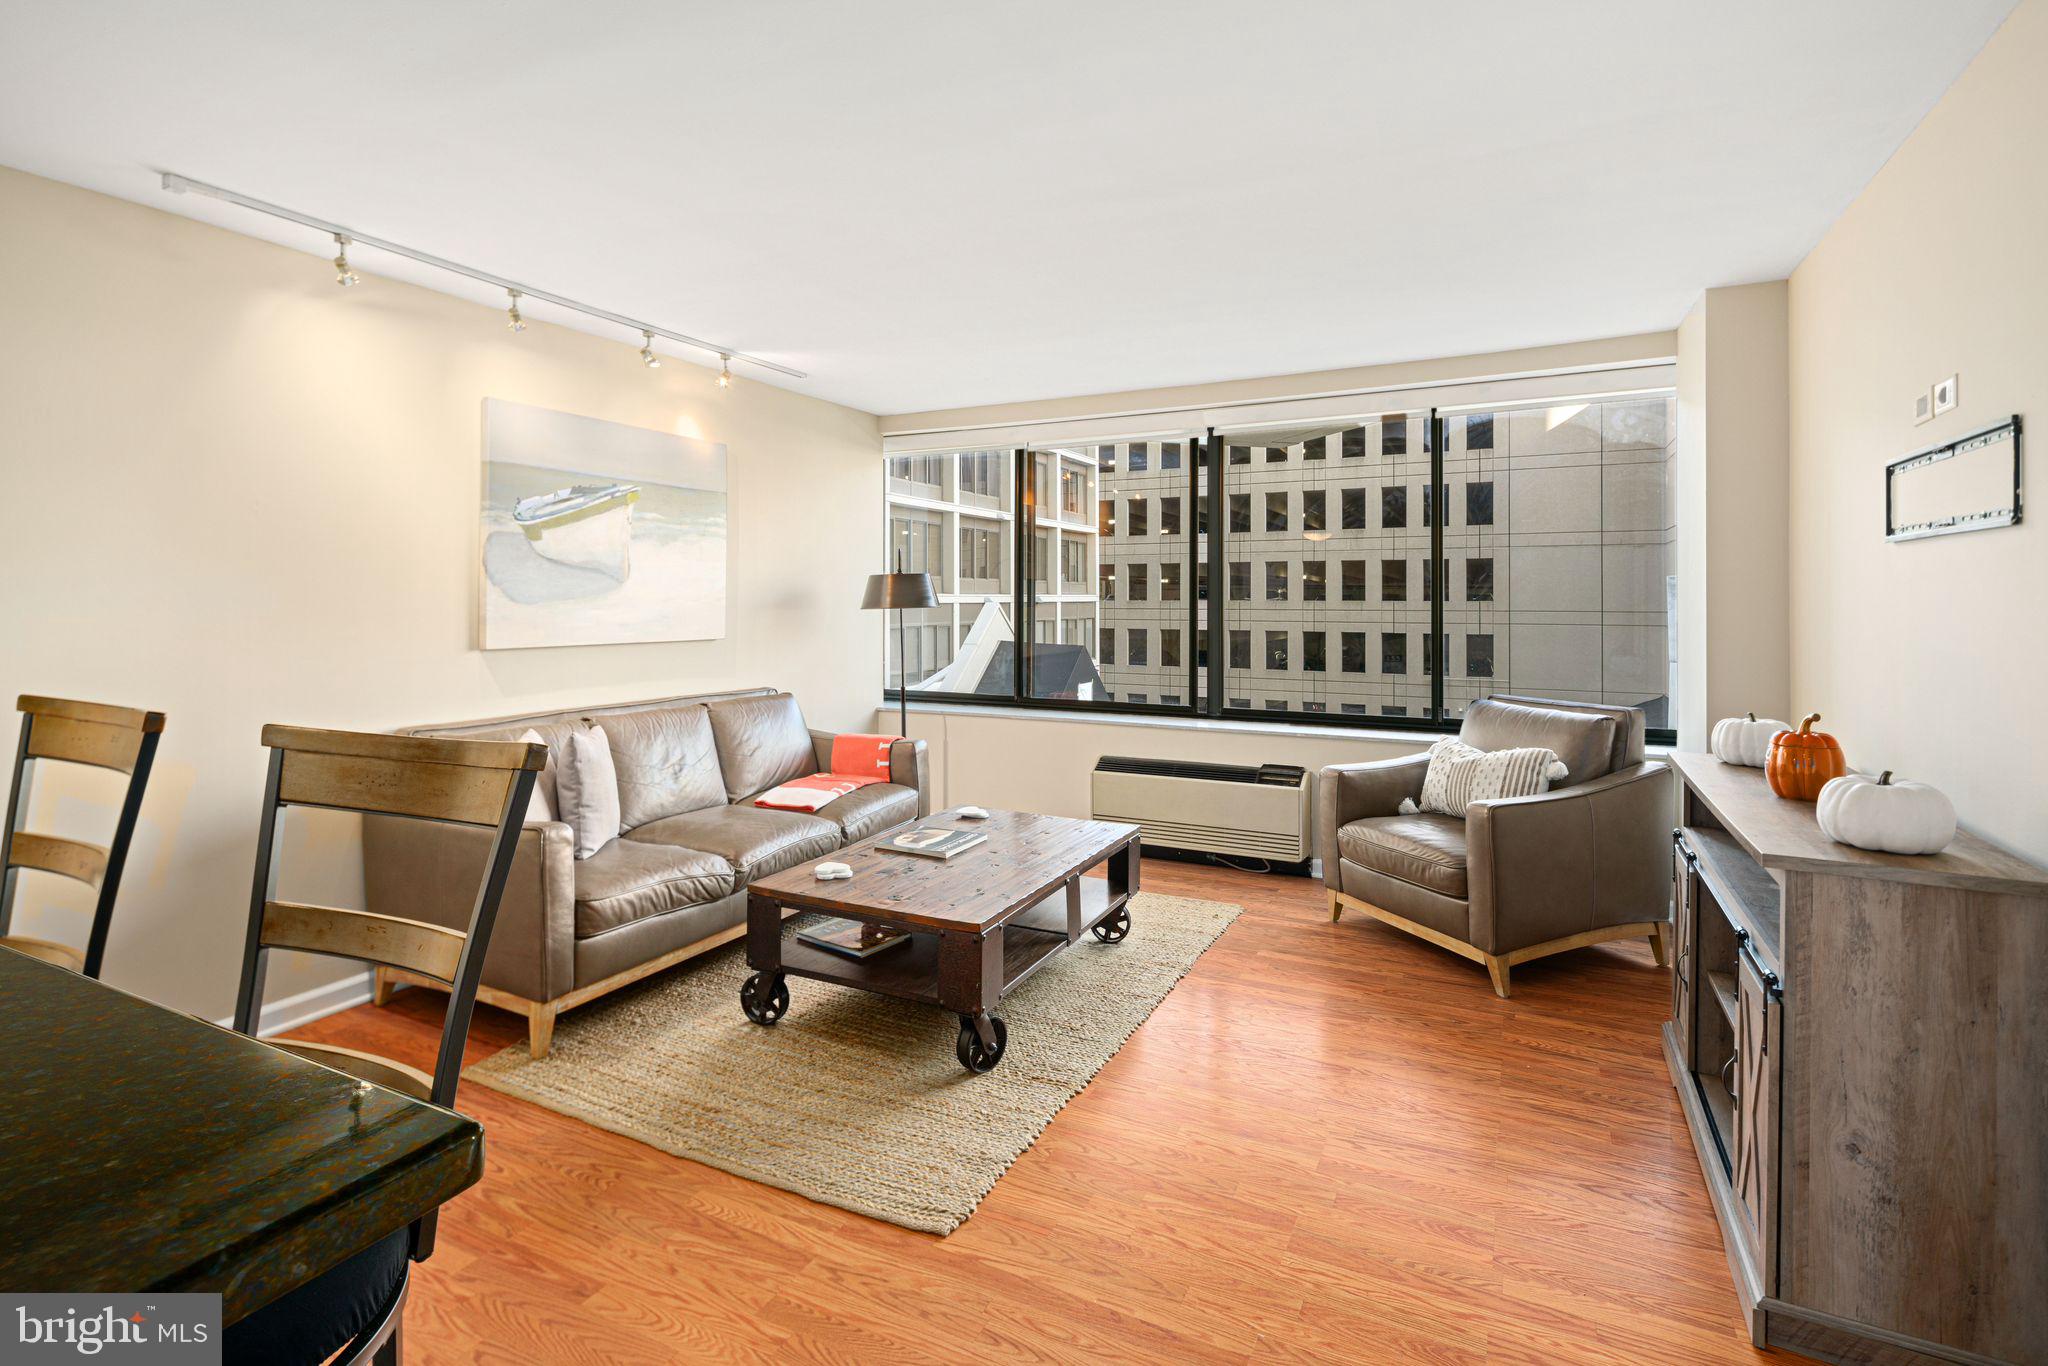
{"x":313,"y":1322}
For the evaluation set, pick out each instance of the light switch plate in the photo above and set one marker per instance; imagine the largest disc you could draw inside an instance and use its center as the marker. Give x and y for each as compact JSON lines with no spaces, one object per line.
{"x":1923,"y":407}
{"x":1945,"y":396}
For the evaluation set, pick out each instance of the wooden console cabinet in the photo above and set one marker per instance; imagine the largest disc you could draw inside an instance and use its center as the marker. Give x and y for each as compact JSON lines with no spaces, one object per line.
{"x":1860,"y":1045}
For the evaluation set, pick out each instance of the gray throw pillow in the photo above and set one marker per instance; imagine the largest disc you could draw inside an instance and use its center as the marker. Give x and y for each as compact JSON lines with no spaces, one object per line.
{"x":1460,"y":775}
{"x":587,"y":790}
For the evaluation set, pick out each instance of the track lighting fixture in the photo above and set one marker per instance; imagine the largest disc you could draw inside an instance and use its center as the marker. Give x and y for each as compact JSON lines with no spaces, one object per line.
{"x":343,"y":276}
{"x":346,"y":237}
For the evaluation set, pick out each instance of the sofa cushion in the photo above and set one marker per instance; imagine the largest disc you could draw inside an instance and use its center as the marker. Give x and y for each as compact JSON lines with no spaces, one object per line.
{"x":762,"y":741}
{"x":865,"y":810}
{"x":1584,"y":741}
{"x":756,"y":842}
{"x":629,"y":880}
{"x":667,"y":762}
{"x":1425,"y":850}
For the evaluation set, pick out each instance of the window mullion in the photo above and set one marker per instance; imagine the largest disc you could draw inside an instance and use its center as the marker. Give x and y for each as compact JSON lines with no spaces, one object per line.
{"x":1025,"y":525}
{"x":1437,"y":578}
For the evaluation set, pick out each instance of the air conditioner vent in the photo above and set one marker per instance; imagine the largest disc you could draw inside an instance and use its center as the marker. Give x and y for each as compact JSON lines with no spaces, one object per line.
{"x":1271,"y":775}
{"x":1256,"y":811}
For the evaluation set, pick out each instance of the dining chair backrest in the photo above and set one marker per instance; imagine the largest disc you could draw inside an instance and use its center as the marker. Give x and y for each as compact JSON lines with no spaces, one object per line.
{"x":122,"y":739}
{"x":469,"y":782}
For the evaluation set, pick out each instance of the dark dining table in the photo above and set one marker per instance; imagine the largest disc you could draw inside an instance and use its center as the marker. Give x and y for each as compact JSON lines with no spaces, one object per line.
{"x":142,"y":1149}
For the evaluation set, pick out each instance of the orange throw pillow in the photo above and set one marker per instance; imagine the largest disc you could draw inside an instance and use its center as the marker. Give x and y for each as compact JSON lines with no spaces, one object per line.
{"x":862,"y":756}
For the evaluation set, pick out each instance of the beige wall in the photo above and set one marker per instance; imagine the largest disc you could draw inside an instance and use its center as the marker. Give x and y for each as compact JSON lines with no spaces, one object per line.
{"x":1733,"y":450}
{"x":238,"y":494}
{"x":1043,"y":763}
{"x":1928,"y":657}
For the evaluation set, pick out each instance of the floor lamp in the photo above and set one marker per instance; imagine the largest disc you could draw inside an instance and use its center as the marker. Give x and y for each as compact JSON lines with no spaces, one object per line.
{"x":900,"y":591}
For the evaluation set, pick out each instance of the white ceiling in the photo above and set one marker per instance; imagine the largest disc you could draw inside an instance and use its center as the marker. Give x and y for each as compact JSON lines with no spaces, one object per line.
{"x":926,"y":203}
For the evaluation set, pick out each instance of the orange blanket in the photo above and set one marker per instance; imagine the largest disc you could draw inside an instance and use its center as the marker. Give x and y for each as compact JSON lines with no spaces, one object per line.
{"x":857,"y":761}
{"x":808,"y":794}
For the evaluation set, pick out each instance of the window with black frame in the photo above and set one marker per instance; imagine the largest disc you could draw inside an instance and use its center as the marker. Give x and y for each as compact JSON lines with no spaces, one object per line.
{"x":1145,"y":548}
{"x":1394,"y":566}
{"x":950,"y":515}
{"x":1558,"y":553}
{"x":1319,"y":590}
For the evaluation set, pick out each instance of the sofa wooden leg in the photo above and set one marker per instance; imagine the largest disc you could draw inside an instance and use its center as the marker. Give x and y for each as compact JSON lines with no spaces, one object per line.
{"x":1336,"y":907}
{"x":540,"y":1030}
{"x":381,"y":987}
{"x":1660,"y":944}
{"x":1497,"y":968}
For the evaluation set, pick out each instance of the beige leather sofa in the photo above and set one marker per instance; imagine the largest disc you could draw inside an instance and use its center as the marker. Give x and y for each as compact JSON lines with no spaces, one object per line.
{"x":1522,"y":877}
{"x":673,"y":885}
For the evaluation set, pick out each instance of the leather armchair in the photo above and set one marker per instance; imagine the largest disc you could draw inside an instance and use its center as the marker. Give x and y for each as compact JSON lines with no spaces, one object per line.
{"x":1517,"y":878}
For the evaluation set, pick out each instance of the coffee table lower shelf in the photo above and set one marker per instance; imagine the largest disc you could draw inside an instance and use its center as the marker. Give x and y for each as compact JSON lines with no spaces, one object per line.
{"x":910,"y":971}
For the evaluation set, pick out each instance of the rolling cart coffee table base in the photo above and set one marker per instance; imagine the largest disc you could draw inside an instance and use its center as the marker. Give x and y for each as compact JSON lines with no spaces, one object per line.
{"x":980,"y":923}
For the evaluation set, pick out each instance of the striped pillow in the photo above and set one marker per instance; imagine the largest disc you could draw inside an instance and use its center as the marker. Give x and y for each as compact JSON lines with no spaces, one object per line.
{"x":1460,"y":775}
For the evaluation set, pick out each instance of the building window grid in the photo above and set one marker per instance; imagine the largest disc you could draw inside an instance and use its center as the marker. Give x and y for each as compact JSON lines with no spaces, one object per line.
{"x":1477,"y":503}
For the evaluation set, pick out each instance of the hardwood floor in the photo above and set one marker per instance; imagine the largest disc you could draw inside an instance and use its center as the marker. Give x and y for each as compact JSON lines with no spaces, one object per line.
{"x":1330,"y":1142}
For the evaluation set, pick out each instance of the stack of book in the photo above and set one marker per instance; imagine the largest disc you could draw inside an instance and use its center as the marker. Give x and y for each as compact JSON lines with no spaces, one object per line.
{"x":927,"y":843}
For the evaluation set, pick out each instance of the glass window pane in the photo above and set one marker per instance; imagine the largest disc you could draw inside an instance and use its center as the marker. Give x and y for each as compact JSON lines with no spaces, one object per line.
{"x":949,"y":517}
{"x":1140,"y":600}
{"x":1581,"y":607}
{"x":1285,"y":511}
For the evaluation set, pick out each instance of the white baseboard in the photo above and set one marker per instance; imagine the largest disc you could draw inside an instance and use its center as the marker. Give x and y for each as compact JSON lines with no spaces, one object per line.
{"x":308,"y":1006}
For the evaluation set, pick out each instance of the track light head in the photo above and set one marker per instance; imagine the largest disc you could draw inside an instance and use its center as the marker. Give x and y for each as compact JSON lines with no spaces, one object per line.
{"x":647,"y":356}
{"x":725,"y":372}
{"x":343,"y":276}
{"x":513,"y":322}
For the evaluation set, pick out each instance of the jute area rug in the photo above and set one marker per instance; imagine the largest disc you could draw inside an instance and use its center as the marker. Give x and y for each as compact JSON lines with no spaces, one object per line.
{"x":855,"y":1100}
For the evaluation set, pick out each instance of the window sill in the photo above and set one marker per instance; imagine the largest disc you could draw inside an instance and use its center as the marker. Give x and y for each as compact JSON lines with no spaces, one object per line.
{"x":1415,"y":741}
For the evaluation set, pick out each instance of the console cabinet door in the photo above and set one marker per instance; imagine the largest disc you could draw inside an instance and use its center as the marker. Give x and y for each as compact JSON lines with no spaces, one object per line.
{"x":1758,"y":1026}
{"x":1684,"y":909}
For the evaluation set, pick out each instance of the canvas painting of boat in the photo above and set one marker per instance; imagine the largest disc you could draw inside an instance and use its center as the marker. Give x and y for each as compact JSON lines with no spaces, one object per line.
{"x":597,"y":533}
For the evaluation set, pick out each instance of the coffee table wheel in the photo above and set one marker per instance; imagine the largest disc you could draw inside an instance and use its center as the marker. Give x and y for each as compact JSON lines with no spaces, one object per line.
{"x":1115,"y":927}
{"x":973,"y":1055}
{"x":765,"y":997}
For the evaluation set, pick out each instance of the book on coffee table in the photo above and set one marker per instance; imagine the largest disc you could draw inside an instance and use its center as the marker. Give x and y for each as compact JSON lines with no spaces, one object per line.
{"x":854,"y":938}
{"x":939,"y":844}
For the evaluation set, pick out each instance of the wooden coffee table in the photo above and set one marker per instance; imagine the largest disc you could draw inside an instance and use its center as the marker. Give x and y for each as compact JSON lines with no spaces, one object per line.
{"x":980,"y":922}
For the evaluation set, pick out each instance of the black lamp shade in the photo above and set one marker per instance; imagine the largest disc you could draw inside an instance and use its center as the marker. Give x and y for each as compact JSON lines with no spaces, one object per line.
{"x":900,"y":590}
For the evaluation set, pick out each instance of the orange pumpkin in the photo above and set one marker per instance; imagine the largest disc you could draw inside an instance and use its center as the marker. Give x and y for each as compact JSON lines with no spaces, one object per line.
{"x":1803,"y":761}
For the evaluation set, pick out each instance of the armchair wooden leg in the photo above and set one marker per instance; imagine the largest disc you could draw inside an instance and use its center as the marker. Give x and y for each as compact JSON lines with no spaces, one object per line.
{"x":381,"y":987}
{"x":1497,"y":968}
{"x":1660,"y":943}
{"x":1336,"y":907}
{"x":540,"y":1030}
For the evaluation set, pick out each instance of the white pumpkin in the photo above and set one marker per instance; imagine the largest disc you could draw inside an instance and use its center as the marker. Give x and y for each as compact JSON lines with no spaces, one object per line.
{"x":1884,"y":816}
{"x":1744,"y":740}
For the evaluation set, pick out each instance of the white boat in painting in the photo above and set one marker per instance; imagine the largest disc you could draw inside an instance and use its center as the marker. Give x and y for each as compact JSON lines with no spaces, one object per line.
{"x":589,"y":526}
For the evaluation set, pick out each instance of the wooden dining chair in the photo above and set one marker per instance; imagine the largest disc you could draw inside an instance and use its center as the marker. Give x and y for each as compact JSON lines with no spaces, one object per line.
{"x":118,"y":738}
{"x":359,"y":1304}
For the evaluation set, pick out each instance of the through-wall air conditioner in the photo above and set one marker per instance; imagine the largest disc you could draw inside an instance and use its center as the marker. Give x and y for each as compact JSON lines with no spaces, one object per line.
{"x":1249,"y":811}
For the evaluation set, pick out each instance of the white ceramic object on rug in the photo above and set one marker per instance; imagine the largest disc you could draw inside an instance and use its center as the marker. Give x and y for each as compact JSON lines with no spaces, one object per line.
{"x":973,"y":813}
{"x":1744,"y":740}
{"x":1885,"y":817}
{"x":832,"y":872}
